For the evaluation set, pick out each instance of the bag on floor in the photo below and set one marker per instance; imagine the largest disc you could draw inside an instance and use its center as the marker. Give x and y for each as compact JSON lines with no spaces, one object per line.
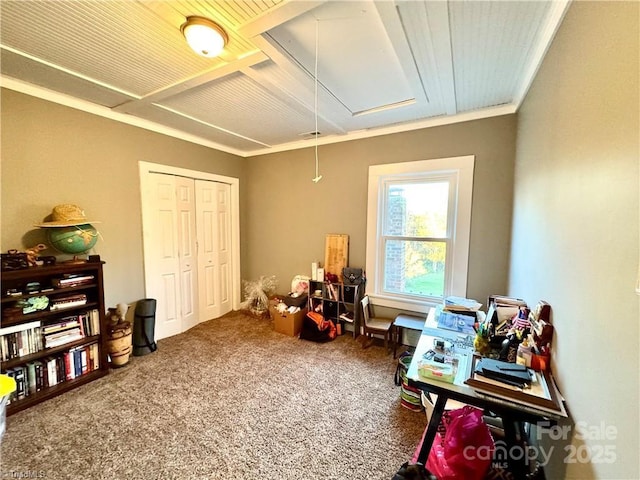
{"x":316,"y":329}
{"x":465,"y":450}
{"x":410,"y":397}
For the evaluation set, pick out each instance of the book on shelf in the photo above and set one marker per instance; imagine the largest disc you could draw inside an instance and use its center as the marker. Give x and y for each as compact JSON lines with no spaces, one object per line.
{"x":19,"y":340}
{"x":21,"y":385}
{"x":90,"y":322}
{"x":85,"y":360}
{"x":77,"y":362}
{"x":68,"y":301}
{"x":62,"y":338}
{"x":52,"y":376}
{"x":68,"y":365}
{"x":20,"y":327}
{"x":61,"y":325}
{"x":72,"y":280}
{"x":60,"y":374}
{"x":347,"y":317}
{"x":95,"y":356}
{"x":31,"y":377}
{"x":39,"y":375}
{"x":95,"y":321}
{"x":332,"y":291}
{"x":80,"y":360}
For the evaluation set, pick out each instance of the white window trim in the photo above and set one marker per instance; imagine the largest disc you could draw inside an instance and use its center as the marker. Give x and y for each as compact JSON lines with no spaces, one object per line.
{"x":462,"y":167}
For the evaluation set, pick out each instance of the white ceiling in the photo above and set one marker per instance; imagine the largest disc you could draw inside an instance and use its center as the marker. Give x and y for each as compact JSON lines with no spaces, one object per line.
{"x":381,"y":66}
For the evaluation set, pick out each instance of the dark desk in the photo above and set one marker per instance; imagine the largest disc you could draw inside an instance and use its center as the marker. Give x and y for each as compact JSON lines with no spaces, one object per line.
{"x":402,"y":321}
{"x":512,"y":413}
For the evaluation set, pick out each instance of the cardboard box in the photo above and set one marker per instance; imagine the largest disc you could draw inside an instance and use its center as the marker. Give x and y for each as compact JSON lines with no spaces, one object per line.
{"x":287,"y":323}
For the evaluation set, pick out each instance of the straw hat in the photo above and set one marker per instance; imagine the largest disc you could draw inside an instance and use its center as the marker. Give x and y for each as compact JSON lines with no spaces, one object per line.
{"x":66,"y":215}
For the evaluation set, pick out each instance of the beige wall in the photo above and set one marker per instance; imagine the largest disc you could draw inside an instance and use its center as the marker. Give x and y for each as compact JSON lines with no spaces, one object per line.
{"x":575,"y":240}
{"x":53,"y":154}
{"x":76,"y":157}
{"x":290,"y":215}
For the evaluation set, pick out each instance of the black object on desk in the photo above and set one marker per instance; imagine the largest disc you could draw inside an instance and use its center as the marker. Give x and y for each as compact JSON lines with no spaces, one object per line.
{"x":509,"y":373}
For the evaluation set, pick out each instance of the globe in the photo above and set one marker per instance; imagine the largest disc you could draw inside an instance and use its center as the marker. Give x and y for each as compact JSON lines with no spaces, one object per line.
{"x":73,"y":240}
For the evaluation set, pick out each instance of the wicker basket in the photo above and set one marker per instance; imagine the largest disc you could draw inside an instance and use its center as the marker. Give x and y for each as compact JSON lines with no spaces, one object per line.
{"x":119,"y":344}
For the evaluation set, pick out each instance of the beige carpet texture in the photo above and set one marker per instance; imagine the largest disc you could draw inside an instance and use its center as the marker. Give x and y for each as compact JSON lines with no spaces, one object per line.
{"x":229,"y":399}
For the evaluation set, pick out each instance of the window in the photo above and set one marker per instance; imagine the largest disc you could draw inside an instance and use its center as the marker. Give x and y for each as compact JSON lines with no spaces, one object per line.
{"x":418,"y":224}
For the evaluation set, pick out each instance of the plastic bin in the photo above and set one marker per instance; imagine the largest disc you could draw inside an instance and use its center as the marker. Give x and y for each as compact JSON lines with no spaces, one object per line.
{"x":7,"y":387}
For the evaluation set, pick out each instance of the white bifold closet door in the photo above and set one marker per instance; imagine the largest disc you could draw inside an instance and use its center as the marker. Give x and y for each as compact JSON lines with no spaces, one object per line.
{"x":187,"y":243}
{"x":187,"y":253}
{"x":214,"y":243}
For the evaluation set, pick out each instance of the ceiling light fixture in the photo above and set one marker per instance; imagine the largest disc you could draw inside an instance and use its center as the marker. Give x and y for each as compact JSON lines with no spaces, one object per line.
{"x":204,"y":36}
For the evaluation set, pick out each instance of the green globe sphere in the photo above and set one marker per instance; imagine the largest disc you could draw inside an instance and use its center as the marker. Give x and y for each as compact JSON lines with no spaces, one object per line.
{"x":73,"y":240}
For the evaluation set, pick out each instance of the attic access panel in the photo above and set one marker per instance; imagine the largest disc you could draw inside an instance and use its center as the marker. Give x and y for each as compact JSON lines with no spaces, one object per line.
{"x":359,"y":82}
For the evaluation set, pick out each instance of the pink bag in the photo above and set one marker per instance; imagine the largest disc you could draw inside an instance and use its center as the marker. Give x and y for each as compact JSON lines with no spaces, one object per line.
{"x":466,"y":450}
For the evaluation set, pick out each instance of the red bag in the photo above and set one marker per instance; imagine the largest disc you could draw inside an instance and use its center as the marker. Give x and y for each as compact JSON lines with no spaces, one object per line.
{"x":466,"y":451}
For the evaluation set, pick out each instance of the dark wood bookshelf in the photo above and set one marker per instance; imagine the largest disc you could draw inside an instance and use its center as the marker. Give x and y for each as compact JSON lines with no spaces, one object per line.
{"x":17,"y":280}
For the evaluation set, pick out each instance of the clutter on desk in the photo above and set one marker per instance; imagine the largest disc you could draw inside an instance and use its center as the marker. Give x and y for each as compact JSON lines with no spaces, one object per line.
{"x":440,"y":362}
{"x":459,"y":321}
{"x":461,"y":304}
{"x":458,"y":314}
{"x":439,"y":367}
{"x":540,"y":393}
{"x":512,"y":333}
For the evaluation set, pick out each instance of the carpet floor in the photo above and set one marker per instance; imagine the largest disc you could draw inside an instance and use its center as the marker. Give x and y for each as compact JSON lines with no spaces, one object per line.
{"x":229,"y":399}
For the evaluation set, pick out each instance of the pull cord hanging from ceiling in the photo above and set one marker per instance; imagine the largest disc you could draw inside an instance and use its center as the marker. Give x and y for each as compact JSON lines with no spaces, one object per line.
{"x":315,"y":106}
